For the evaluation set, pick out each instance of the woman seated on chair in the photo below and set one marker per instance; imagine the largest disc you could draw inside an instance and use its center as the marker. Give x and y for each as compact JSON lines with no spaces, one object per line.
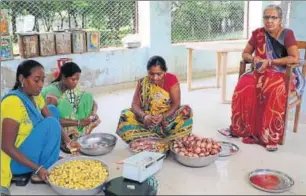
{"x":31,"y":131}
{"x":78,"y":110}
{"x":259,"y":99}
{"x":156,"y":108}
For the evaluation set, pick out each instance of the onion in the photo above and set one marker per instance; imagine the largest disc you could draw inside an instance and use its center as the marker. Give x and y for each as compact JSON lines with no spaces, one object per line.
{"x":199,"y":143}
{"x":203,"y":145}
{"x":191,"y":138}
{"x":192,"y":143}
{"x":176,"y":150}
{"x":203,"y":150}
{"x":175,"y":146}
{"x":209,"y":145}
{"x":201,"y":154}
{"x":195,"y":155}
{"x":213,"y":152}
{"x":189,"y":149}
{"x":134,"y":145}
{"x":218,"y":144}
{"x":197,"y":150}
{"x":186,"y":143}
{"x":208,"y":149}
{"x":190,"y":154}
{"x":183,"y":149}
{"x":215,"y":146}
{"x":206,"y":154}
{"x":197,"y":138}
{"x":182,"y":154}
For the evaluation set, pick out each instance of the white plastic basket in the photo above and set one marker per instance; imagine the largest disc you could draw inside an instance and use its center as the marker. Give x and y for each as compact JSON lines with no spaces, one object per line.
{"x":142,"y":165}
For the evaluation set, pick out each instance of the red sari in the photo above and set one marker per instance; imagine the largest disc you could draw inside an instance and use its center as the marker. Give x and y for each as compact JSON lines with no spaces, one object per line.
{"x":259,"y":99}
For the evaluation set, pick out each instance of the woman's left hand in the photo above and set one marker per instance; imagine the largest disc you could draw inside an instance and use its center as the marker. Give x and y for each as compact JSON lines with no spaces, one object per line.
{"x":264,"y":66}
{"x":74,"y":147}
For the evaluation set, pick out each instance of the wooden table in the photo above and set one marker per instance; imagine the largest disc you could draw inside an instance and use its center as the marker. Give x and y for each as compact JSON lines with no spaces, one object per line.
{"x":221,"y":68}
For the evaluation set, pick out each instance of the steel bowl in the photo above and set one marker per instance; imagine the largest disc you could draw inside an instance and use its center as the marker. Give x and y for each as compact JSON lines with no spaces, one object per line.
{"x":160,"y":140}
{"x":194,"y":161}
{"x":66,"y":191}
{"x":97,"y":143}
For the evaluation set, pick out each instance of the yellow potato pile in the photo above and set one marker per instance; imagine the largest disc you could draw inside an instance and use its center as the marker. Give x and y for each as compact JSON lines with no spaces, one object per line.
{"x":79,"y":174}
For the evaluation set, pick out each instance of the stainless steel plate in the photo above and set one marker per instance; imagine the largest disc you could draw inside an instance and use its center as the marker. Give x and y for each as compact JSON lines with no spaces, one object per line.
{"x":283,"y":184}
{"x":228,"y":149}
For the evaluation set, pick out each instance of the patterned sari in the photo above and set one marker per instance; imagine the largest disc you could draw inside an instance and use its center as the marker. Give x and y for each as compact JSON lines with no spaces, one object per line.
{"x":154,"y":100}
{"x":259,"y":99}
{"x":74,"y":104}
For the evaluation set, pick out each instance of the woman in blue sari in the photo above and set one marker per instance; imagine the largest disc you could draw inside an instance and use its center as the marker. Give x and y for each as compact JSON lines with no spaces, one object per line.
{"x":31,"y":132}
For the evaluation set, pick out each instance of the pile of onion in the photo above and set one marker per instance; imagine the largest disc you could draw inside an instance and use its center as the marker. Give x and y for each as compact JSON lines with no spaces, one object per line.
{"x":195,"y":146}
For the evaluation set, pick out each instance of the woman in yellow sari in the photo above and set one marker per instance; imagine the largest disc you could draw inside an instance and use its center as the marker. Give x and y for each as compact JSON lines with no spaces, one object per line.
{"x":156,"y":108}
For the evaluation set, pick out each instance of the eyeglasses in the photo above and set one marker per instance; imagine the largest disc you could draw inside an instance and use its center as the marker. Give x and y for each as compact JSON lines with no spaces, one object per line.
{"x":270,"y":17}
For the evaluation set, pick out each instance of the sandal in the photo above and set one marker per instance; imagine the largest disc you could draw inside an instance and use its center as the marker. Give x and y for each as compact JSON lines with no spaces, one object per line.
{"x":271,"y":148}
{"x":21,"y":179}
{"x":250,"y":140}
{"x":35,"y":179}
{"x":227,"y":133}
{"x":4,"y":191}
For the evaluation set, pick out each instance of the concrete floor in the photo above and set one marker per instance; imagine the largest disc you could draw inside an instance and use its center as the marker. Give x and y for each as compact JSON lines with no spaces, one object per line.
{"x":227,"y":175}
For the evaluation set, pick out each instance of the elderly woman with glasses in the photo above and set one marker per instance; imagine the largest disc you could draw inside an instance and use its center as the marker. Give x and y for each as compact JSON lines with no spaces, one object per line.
{"x":259,"y":99}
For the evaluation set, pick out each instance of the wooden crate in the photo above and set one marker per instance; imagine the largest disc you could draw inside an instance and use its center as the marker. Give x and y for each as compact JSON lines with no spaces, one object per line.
{"x":28,"y":45}
{"x":46,"y":44}
{"x":93,"y":41}
{"x":63,"y":42}
{"x":4,"y":25}
{"x":78,"y":41}
{"x":6,"y":48}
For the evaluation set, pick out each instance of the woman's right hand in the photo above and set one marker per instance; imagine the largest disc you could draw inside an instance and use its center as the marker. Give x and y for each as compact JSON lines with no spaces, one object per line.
{"x":148,"y":120}
{"x":256,"y":60}
{"x":43,"y":173}
{"x":85,"y":122}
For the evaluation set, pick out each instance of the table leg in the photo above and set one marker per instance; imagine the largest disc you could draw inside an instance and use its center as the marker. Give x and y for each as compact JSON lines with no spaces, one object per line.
{"x":189,"y":68}
{"x":223,"y":78}
{"x":218,"y":69}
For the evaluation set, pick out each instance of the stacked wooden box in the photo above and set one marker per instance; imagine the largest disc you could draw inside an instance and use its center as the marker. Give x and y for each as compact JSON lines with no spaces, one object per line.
{"x":58,"y":43}
{"x":6,"y":39}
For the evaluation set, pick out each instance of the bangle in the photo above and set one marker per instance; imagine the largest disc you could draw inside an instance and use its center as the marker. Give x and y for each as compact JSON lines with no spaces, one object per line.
{"x":36,"y":172}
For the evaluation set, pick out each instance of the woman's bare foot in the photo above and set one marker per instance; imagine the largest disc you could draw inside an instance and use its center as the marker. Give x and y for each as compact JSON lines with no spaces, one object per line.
{"x":249,"y":140}
{"x":35,"y":179}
